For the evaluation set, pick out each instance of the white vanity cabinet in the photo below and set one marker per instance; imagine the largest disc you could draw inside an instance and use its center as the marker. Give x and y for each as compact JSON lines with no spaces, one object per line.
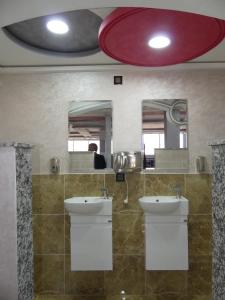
{"x":90,"y":233}
{"x":166,"y":232}
{"x":91,"y":243}
{"x":166,"y":244}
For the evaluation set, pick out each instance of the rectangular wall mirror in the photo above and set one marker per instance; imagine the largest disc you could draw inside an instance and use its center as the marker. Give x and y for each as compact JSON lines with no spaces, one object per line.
{"x":165,"y":135}
{"x":90,"y":135}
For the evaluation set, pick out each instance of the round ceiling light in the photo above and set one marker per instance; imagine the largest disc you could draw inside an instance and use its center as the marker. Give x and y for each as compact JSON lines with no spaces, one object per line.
{"x":124,"y":35}
{"x":57,"y":26}
{"x":159,"y":42}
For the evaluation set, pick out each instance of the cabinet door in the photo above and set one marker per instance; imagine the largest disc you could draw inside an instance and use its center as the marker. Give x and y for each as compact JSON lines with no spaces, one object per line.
{"x":166,"y":246}
{"x":91,"y":247}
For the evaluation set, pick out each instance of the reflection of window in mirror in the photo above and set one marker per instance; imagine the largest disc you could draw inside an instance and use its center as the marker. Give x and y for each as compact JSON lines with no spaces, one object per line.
{"x":164,"y":127}
{"x":90,"y":134}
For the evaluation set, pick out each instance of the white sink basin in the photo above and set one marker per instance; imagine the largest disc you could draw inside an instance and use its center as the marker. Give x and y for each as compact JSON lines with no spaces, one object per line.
{"x":84,"y":205}
{"x":159,"y":204}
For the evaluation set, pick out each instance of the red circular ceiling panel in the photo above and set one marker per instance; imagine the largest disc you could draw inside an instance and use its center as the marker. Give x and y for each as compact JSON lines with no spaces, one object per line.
{"x":125,"y":33}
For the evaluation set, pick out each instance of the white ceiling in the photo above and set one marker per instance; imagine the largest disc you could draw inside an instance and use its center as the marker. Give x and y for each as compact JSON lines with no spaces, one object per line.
{"x":13,"y":55}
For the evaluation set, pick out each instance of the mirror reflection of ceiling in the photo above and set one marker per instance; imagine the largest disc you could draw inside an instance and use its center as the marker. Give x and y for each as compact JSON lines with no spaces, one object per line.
{"x":81,"y":39}
{"x":87,"y":119}
{"x":155,"y":112}
{"x":153,"y":119}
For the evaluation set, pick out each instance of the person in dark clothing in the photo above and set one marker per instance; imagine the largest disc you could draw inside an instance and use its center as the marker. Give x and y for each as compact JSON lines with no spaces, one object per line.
{"x":99,"y":160}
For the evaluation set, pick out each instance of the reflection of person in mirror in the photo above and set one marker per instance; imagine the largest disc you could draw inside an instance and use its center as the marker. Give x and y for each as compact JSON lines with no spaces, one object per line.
{"x":99,"y":160}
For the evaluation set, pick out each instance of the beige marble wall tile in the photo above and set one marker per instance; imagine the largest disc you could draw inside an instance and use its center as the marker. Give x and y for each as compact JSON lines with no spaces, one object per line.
{"x":119,"y":190}
{"x":136,"y":189}
{"x":198,"y":191}
{"x":128,"y":235}
{"x":199,"y":277}
{"x":49,"y":274}
{"x":48,"y":194}
{"x":170,"y":282}
{"x":128,"y":275}
{"x":48,"y":234}
{"x":200,"y":235}
{"x":83,"y":283}
{"x":83,"y":185}
{"x":163,"y":184}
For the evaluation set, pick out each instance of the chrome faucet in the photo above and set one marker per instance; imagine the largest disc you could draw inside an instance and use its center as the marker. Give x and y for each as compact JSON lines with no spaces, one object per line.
{"x":177,"y":189}
{"x":105,"y":193}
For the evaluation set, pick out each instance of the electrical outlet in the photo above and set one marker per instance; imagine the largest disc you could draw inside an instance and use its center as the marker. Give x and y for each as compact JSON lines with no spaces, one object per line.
{"x":120,"y":177}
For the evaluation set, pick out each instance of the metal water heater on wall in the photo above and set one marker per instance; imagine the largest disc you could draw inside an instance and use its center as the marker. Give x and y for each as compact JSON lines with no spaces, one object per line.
{"x":125,"y":162}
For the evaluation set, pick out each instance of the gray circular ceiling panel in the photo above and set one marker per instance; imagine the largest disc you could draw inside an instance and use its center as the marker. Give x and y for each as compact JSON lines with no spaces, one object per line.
{"x":81,"y":39}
